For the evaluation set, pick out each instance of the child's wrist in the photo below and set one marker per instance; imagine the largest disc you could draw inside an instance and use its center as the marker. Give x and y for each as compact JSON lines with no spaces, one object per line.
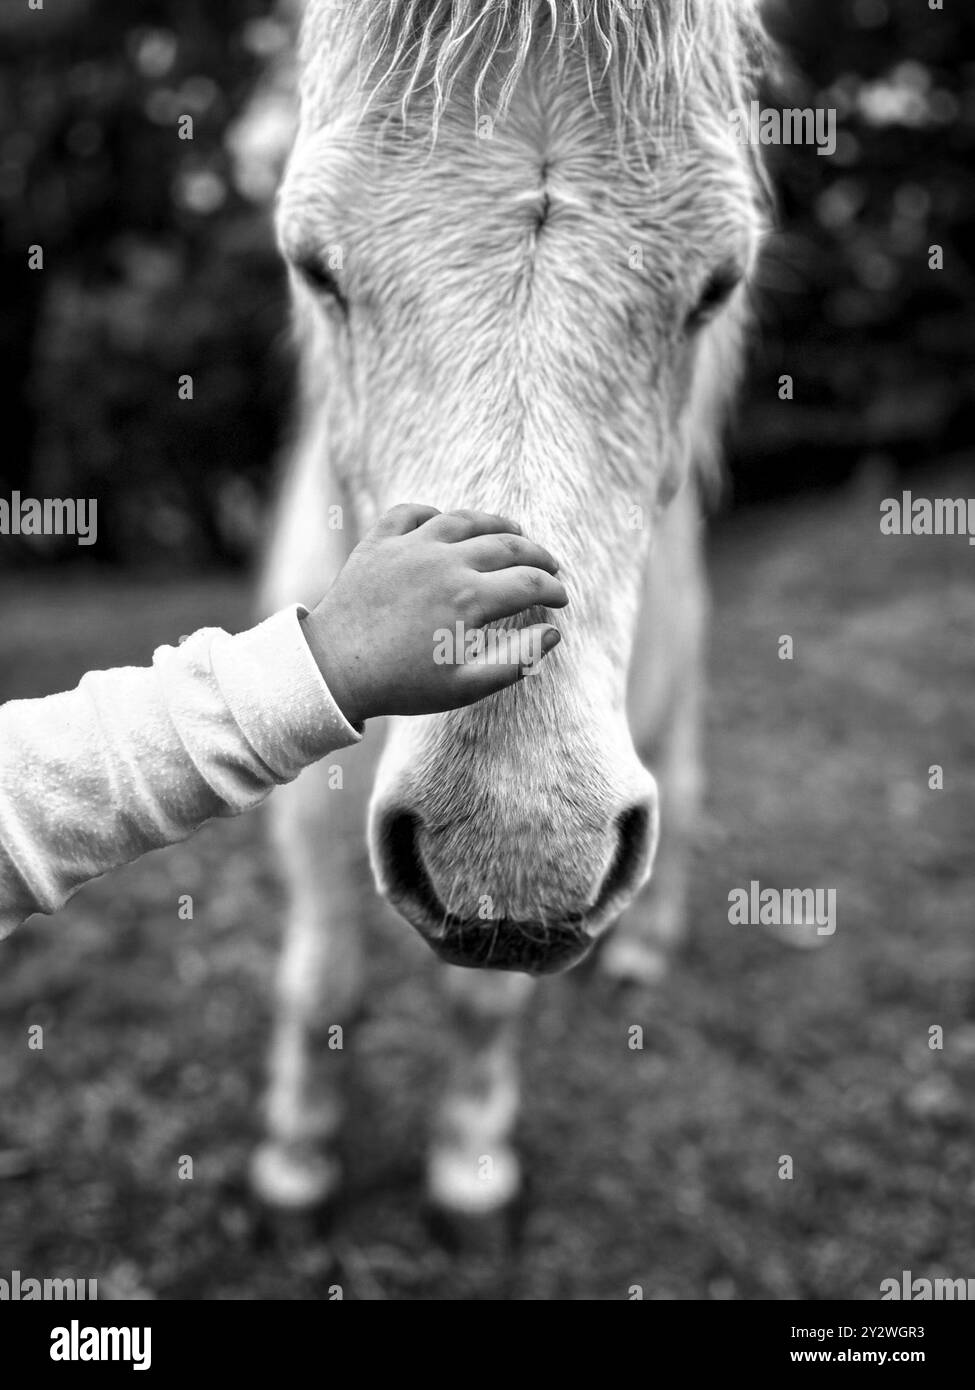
{"x":341,"y":691}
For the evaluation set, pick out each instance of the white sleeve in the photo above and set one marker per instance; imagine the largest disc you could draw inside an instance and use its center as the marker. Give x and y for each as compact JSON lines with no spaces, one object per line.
{"x":137,"y":758}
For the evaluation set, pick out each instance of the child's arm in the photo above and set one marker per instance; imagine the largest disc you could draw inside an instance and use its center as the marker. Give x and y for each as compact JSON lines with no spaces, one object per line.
{"x":138,"y":758}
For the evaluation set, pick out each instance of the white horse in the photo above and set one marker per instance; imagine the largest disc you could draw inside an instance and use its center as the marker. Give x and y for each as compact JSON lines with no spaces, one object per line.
{"x":519,"y":233}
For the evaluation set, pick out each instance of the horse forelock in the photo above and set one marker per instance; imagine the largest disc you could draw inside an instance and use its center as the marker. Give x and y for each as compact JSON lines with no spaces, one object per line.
{"x":647,"y":56}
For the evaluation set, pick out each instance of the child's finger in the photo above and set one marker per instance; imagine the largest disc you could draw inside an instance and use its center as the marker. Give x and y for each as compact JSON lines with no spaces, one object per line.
{"x":506,"y":657}
{"x":486,"y":553}
{"x":461,"y":525}
{"x":509,"y":591}
{"x":403,"y":518}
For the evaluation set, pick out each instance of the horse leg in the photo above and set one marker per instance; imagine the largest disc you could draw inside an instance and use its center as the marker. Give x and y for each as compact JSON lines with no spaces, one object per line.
{"x":319,"y":833}
{"x":473,"y":1170}
{"x":667,"y":700}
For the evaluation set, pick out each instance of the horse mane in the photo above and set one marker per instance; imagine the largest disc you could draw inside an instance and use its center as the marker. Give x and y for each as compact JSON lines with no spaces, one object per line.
{"x":640,"y":52}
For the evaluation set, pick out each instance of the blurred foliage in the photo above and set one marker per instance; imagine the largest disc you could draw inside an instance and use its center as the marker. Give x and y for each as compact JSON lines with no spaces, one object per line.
{"x":157,"y":264}
{"x":880,"y":345}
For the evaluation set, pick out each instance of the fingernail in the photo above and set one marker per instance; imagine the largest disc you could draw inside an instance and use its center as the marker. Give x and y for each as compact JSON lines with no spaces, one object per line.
{"x":551,"y":639}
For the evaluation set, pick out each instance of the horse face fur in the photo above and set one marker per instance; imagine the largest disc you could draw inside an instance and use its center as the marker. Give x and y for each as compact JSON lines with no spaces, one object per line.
{"x":520,"y":316}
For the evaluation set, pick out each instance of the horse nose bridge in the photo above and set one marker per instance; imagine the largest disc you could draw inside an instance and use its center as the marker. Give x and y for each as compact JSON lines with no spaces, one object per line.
{"x":558,"y":777}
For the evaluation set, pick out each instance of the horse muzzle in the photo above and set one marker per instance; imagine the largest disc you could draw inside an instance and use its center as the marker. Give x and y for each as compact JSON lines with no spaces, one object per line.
{"x":537,"y":943}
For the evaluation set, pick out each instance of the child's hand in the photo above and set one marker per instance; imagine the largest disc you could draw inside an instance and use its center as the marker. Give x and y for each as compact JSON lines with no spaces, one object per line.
{"x":416,"y":572}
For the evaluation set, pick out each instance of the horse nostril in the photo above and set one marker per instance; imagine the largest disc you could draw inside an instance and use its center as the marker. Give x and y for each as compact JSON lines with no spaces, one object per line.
{"x":406,"y":876}
{"x":631,"y":863}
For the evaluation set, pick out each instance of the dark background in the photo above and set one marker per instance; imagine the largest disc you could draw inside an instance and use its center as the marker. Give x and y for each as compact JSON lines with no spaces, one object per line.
{"x":157,"y":264}
{"x":656,"y":1167}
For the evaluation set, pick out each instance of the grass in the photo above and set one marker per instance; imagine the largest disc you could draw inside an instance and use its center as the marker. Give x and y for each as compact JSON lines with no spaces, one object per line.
{"x":656,"y":1167}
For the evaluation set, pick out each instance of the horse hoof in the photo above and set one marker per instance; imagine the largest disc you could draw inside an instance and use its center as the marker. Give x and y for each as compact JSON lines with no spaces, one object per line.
{"x":295,"y":1233}
{"x":471,"y":1210}
{"x":296,"y":1187}
{"x":487,"y":1235}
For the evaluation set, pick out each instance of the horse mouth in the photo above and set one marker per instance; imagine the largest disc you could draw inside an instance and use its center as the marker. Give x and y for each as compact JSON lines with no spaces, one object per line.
{"x":534,"y":947}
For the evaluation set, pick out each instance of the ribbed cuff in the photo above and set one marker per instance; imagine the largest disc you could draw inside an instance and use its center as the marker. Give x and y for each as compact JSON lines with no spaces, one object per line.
{"x":278,"y":696}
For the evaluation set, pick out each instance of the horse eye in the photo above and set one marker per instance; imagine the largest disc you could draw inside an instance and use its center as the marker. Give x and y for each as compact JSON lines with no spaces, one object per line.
{"x":321,"y":280}
{"x":716,"y":293}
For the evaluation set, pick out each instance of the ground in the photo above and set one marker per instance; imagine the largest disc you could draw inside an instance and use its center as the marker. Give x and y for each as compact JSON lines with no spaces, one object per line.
{"x":656,"y":1167}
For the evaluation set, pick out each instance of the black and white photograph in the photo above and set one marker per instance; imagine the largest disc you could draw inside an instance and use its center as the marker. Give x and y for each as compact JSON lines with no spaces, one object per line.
{"x":487,"y":662}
